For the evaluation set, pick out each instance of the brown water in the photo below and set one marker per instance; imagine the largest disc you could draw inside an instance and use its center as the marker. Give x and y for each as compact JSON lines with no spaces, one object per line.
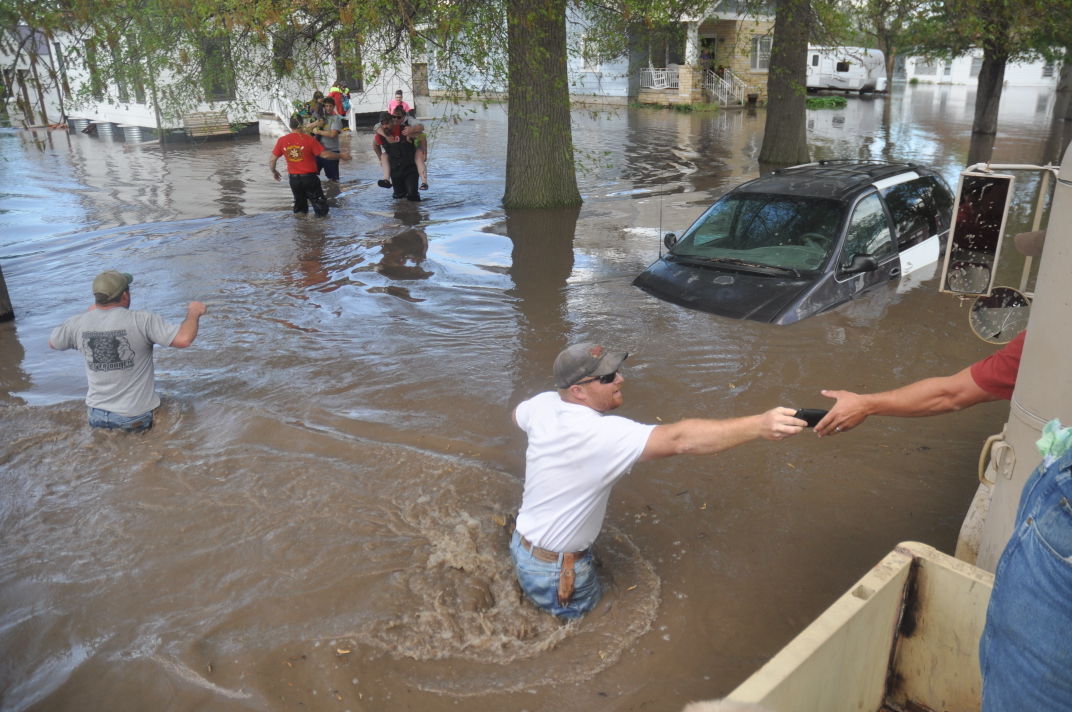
{"x":314,"y":522}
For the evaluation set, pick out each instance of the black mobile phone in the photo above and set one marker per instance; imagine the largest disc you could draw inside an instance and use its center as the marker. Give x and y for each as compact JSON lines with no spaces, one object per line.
{"x":811,"y":415}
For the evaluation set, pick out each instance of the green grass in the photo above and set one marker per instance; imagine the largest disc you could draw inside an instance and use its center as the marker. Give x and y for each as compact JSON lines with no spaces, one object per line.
{"x":826,"y":102}
{"x":683,"y":108}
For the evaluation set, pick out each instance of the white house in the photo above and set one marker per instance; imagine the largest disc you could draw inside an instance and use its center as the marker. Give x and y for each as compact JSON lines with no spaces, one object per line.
{"x":965,"y":70}
{"x":47,"y":90}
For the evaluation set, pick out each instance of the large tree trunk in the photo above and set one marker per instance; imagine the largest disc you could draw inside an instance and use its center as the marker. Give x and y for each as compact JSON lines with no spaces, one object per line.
{"x":1062,"y":108}
{"x":539,"y":154}
{"x":541,"y":263}
{"x":988,"y":95}
{"x":784,"y":136}
{"x":7,"y":313}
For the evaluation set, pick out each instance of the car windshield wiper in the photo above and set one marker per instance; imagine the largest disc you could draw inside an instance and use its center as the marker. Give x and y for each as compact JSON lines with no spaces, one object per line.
{"x":753,"y":266}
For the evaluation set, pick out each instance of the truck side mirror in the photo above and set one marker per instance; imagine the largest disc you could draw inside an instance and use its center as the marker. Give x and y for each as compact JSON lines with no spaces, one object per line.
{"x":669,"y":239}
{"x":979,"y":215}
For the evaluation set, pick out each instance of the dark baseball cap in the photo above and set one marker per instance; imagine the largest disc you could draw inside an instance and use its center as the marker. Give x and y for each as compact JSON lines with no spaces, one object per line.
{"x":585,"y":360}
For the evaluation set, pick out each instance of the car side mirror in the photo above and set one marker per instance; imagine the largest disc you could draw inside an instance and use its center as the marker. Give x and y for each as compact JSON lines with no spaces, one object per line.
{"x":861,"y":263}
{"x":669,"y":239}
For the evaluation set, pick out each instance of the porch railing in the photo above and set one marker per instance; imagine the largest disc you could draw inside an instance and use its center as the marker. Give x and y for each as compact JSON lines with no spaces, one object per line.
{"x":651,"y":78}
{"x":727,"y":88}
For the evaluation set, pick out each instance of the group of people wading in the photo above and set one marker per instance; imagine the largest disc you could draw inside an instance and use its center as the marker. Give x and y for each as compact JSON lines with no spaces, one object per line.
{"x":312,"y":146}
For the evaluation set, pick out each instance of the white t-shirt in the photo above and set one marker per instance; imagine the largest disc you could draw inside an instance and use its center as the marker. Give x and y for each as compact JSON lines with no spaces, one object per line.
{"x":574,"y":457}
{"x":117,"y":344}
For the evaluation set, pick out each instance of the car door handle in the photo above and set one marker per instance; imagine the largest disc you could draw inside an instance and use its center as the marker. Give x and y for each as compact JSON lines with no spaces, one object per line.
{"x":895,"y":272}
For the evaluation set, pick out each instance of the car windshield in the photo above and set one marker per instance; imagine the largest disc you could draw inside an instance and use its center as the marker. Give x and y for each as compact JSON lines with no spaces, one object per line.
{"x":777,"y":231}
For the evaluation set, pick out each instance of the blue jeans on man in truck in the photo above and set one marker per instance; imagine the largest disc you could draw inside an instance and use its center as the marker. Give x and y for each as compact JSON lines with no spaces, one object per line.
{"x":1026,"y":650}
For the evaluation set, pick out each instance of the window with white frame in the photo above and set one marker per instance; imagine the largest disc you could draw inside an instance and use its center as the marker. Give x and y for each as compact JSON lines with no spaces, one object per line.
{"x":1047,"y":70}
{"x":977,"y":66}
{"x":761,"y":48}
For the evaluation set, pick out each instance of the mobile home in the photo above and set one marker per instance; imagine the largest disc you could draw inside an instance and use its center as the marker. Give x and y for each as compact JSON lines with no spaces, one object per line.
{"x":846,"y":69}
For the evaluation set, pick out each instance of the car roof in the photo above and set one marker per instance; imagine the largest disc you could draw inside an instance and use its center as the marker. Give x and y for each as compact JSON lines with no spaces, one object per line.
{"x":837,"y":180}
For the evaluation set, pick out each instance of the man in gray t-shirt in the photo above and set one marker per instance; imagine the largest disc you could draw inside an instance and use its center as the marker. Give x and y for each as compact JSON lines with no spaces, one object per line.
{"x":117,"y":343}
{"x":328,"y":135}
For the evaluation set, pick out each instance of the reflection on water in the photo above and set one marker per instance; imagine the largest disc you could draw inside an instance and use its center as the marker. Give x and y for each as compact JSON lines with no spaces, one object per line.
{"x":315,"y":520}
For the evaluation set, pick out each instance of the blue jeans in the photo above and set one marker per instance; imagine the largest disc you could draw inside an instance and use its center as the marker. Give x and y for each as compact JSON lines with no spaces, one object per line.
{"x":330,"y":168}
{"x":1026,"y":649}
{"x":100,"y":418}
{"x":539,"y":581}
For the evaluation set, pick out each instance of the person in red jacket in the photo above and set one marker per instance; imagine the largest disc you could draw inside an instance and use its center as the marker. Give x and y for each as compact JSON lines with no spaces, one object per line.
{"x":301,"y":151}
{"x":338,"y":93}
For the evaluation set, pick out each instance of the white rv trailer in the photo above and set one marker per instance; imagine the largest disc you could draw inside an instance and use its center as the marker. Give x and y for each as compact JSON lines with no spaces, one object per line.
{"x":846,"y":69}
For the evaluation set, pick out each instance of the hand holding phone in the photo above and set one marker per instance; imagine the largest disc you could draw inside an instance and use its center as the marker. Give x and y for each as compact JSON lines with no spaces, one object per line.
{"x":811,"y":416}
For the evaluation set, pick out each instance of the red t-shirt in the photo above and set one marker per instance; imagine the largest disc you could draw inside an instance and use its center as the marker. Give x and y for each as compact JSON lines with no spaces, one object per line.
{"x":395,"y":130}
{"x":996,"y":374}
{"x":300,"y":150}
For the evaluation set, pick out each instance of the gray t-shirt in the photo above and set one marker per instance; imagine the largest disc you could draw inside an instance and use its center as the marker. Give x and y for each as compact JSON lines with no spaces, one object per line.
{"x":332,"y":123}
{"x":117,"y":344}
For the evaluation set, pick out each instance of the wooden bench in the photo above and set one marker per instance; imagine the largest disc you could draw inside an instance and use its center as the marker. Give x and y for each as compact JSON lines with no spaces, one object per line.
{"x":206,"y":123}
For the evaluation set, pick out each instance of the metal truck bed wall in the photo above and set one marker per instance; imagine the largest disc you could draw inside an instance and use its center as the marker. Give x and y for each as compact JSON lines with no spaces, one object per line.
{"x":904,"y":637}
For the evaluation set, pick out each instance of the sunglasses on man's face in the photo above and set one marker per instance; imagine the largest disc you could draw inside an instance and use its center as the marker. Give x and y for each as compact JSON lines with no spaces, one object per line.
{"x":605,"y":380}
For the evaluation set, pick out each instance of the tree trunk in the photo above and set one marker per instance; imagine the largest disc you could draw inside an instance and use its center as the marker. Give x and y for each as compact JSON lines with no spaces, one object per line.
{"x":784,"y":135}
{"x":988,"y":95}
{"x":42,"y":99}
{"x":7,"y":312}
{"x":539,"y":153}
{"x":541,"y":264}
{"x":1062,"y":107}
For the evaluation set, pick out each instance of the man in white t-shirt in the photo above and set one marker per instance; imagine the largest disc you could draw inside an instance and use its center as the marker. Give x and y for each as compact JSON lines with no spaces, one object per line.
{"x":576,"y":452}
{"x":117,"y":343}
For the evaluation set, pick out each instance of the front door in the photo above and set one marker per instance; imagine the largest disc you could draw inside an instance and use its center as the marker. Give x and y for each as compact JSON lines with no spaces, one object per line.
{"x":868,"y":233}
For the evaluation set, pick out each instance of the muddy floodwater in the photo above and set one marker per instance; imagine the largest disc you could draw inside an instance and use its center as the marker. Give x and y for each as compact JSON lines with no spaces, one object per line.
{"x":315,"y":520}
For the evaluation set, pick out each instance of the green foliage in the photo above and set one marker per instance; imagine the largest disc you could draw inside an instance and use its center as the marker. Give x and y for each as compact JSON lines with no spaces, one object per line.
{"x":1013,"y":29}
{"x":831,"y":101}
{"x":688,"y":108}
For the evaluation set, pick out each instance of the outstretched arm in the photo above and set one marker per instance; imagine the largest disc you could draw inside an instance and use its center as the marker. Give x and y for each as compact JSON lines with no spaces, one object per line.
{"x":705,"y":436}
{"x":188,"y":329}
{"x":931,"y":396}
{"x":335,"y":155}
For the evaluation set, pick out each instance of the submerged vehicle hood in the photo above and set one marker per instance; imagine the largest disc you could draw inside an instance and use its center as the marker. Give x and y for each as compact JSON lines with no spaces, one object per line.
{"x":726,"y":292}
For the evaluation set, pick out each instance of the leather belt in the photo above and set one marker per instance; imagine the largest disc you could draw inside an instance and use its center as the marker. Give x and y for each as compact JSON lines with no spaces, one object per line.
{"x":566,"y":578}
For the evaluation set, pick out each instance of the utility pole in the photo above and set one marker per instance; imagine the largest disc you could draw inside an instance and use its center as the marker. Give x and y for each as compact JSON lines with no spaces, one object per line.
{"x":7,"y":313}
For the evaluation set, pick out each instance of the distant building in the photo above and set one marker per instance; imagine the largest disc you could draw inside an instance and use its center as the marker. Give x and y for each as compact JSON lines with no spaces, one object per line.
{"x":965,"y":70}
{"x":42,"y":88}
{"x":720,"y":56}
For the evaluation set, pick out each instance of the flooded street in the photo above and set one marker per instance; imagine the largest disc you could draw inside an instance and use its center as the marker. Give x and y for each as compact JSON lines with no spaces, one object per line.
{"x":314,"y":522}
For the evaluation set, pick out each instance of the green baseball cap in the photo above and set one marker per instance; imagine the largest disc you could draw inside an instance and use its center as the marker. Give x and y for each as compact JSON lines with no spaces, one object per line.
{"x":109,"y":285}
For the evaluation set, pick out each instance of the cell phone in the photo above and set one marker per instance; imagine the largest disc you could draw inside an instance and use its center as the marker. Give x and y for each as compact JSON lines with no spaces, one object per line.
{"x":811,"y":416}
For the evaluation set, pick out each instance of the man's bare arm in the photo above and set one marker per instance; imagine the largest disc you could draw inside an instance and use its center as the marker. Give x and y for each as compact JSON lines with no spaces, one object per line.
{"x":700,"y":436}
{"x":188,"y":329}
{"x":931,"y":396}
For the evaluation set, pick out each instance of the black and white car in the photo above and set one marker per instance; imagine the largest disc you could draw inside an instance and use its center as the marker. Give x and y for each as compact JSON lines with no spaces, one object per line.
{"x":801,"y":240}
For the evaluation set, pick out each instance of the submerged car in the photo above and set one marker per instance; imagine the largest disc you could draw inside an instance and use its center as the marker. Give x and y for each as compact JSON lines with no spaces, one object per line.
{"x":802,"y":240}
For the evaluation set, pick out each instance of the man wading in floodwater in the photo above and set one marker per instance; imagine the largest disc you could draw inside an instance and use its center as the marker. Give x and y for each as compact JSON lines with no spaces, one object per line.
{"x":301,"y":151}
{"x":575,"y":455}
{"x":117,"y":343}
